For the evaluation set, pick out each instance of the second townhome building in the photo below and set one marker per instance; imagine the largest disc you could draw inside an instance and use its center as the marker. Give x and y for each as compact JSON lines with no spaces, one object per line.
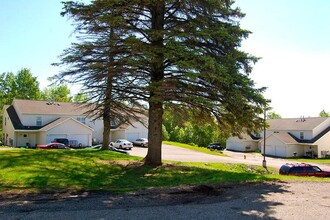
{"x":292,"y":137}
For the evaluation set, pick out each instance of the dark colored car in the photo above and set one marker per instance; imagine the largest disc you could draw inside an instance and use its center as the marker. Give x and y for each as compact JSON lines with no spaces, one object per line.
{"x":303,"y":169}
{"x":215,"y":146}
{"x":53,"y":146}
{"x":64,"y":141}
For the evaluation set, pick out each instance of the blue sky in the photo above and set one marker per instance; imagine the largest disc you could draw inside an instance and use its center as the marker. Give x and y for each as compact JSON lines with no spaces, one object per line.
{"x":293,"y":39}
{"x":291,"y":36}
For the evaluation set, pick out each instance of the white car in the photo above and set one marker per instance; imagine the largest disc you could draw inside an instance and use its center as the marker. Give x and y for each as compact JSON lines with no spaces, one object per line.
{"x":143,"y":142}
{"x":122,"y":144}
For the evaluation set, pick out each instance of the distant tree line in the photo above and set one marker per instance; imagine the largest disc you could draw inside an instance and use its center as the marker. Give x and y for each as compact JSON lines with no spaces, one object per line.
{"x":186,"y":126}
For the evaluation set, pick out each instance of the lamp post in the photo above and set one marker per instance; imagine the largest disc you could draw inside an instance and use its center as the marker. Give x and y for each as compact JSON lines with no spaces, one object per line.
{"x":264,"y":160}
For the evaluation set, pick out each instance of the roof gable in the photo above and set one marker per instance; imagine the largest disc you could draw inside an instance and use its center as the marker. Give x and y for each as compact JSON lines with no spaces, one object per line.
{"x":248,"y":137}
{"x":295,"y":124}
{"x":59,"y":121}
{"x":286,"y":138}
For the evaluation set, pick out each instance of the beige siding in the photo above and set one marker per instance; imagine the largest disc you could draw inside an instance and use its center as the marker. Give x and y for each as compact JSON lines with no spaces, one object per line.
{"x":97,"y":125}
{"x":323,"y":144}
{"x":117,"y":134}
{"x":31,"y":120}
{"x":8,"y":131}
{"x":294,"y":148}
{"x":138,"y":130}
{"x":41,"y":138}
{"x":236,"y":144}
{"x":24,"y":138}
{"x":321,"y":127}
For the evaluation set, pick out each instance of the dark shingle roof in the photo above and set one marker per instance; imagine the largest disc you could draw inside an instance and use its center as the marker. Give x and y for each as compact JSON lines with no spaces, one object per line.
{"x":17,"y":122}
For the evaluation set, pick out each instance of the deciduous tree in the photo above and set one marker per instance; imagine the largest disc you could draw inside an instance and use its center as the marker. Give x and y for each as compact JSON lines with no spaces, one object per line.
{"x":57,"y":93}
{"x":23,"y":85}
{"x":324,"y":114}
{"x":273,"y":115}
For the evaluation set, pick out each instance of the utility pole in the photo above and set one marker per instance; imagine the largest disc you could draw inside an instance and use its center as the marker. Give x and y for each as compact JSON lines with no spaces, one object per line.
{"x":264,"y":161}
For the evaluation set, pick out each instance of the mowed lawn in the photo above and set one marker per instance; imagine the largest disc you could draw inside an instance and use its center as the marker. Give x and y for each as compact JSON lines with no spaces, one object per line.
{"x":65,"y":170}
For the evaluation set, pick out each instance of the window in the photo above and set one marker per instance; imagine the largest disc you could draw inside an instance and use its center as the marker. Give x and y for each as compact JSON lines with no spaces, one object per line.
{"x":39,"y":121}
{"x":81,"y":119}
{"x":302,"y":135}
{"x":296,"y":170}
{"x":5,"y":121}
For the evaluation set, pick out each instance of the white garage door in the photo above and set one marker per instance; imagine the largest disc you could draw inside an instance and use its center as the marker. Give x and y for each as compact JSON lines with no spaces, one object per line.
{"x":79,"y":138}
{"x":270,"y":150}
{"x":236,"y":146}
{"x":280,"y":151}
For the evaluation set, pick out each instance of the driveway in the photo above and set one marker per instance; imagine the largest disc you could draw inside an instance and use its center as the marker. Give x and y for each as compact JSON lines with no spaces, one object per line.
{"x":174,"y":153}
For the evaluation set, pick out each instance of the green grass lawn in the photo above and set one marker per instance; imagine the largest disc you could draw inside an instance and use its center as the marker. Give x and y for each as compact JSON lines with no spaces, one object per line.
{"x":61,"y":170}
{"x":306,"y":160}
{"x":196,"y":148}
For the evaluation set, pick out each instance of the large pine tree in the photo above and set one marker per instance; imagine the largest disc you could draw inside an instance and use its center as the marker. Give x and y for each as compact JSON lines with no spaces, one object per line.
{"x":184,"y":52}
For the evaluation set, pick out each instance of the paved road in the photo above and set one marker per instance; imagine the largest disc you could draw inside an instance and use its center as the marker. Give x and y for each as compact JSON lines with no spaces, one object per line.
{"x":170,"y":152}
{"x":298,"y":200}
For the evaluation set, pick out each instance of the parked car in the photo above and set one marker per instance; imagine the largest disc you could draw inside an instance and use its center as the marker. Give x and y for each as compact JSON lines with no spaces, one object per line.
{"x":215,"y":146}
{"x":122,"y":144}
{"x":64,"y":141}
{"x":303,"y":169}
{"x":53,"y":146}
{"x":142,"y":142}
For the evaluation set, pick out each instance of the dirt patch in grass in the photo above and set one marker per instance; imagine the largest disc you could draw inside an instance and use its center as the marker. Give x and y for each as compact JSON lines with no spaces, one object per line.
{"x":121,"y":163}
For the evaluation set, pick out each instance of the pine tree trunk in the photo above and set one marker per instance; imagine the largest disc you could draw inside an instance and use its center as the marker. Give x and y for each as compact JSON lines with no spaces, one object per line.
{"x":154,"y":156}
{"x":107,"y":114}
{"x":106,"y":132}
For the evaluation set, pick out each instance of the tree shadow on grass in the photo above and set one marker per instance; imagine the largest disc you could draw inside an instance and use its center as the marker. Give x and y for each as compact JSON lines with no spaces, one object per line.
{"x":86,"y":170}
{"x":56,"y":176}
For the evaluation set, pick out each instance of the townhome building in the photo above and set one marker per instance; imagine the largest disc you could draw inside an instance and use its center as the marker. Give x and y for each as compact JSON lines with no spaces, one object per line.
{"x":30,"y":122}
{"x":291,"y":137}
